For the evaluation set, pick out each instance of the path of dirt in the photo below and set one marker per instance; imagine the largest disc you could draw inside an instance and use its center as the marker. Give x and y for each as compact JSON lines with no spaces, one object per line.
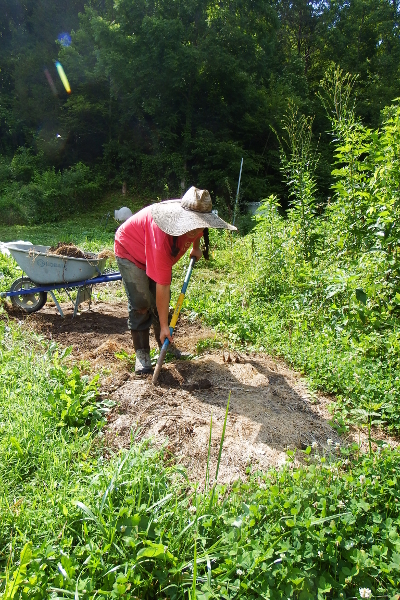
{"x":271,"y":410}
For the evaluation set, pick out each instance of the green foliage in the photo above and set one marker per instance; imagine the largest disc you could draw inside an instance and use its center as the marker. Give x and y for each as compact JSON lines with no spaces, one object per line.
{"x":168,"y":115}
{"x":163,"y":94}
{"x":25,"y":165}
{"x":53,"y":195}
{"x":130,"y":524}
{"x":334,"y":318}
{"x":208,"y":344}
{"x":299,"y":162}
{"x":326,"y":528}
{"x":77,"y":397}
{"x":33,"y":194}
{"x":35,"y":452}
{"x":351,"y":157}
{"x":19,"y":574}
{"x":11,"y":212}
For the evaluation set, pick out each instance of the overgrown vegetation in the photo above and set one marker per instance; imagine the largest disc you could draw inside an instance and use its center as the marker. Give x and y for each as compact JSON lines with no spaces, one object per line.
{"x":322,"y":289}
{"x":318,"y":286}
{"x":30,"y":192}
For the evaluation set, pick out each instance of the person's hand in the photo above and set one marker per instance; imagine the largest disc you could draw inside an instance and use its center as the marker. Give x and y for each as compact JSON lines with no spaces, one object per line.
{"x":196,"y":253}
{"x":165,"y":333}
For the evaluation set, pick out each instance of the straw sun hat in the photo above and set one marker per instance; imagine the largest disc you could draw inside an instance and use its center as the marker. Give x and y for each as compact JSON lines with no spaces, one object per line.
{"x":193,"y":211}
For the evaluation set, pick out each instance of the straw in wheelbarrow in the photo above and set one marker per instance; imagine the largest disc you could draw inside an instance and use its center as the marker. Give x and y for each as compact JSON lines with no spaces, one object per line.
{"x":173,"y":322}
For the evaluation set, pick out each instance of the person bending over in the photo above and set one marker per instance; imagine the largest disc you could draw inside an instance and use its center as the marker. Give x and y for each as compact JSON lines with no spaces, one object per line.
{"x":146,"y":247}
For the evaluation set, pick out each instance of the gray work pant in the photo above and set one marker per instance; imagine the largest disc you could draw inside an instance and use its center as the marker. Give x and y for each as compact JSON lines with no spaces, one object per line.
{"x":141,"y":293}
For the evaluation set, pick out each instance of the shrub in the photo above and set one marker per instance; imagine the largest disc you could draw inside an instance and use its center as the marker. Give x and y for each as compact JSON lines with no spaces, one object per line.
{"x":11,"y":213}
{"x":52,"y":195}
{"x":25,"y":164}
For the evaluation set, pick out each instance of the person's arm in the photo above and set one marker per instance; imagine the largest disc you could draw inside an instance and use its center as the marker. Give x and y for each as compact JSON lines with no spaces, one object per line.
{"x":162,"y":301}
{"x":163,"y":296}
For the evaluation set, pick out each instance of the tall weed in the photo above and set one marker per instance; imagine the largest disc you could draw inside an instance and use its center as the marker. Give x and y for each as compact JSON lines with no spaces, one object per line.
{"x":298,"y":163}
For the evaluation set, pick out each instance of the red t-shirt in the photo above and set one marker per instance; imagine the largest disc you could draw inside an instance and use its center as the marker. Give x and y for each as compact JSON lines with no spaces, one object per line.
{"x":142,"y":242}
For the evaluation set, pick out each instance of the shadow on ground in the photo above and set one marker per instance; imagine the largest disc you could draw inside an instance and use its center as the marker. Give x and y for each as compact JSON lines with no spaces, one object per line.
{"x":270,"y":412}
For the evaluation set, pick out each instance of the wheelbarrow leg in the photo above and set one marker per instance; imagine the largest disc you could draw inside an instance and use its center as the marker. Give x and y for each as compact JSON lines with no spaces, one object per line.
{"x":84,"y":294}
{"x":57,"y":304}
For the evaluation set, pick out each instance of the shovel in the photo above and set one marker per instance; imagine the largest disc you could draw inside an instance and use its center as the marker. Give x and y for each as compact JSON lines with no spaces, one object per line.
{"x":174,"y":320}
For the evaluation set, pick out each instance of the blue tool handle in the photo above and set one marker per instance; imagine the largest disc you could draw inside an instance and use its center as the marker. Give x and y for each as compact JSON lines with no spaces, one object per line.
{"x":188,"y":274}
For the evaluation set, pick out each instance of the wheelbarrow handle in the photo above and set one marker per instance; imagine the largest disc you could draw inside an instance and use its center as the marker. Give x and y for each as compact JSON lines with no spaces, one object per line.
{"x":174,"y":320}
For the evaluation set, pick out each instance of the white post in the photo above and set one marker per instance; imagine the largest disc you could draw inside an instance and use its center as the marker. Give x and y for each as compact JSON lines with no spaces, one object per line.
{"x":237,"y":193}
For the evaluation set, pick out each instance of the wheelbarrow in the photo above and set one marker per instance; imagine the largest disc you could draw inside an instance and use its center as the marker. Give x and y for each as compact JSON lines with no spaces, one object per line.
{"x":46,"y":272}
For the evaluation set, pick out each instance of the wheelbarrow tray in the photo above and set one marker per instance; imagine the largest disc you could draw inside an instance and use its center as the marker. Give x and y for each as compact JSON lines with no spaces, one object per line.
{"x":44,"y":268}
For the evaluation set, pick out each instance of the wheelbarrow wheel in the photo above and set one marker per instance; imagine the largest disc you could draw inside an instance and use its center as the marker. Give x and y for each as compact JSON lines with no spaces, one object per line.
{"x":29,"y":303}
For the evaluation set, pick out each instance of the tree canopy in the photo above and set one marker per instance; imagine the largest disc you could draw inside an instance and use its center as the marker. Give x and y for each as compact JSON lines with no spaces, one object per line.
{"x":166,"y":94}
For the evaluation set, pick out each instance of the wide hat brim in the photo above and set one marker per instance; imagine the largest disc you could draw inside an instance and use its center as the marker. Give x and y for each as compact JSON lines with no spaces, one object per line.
{"x":173,"y":219}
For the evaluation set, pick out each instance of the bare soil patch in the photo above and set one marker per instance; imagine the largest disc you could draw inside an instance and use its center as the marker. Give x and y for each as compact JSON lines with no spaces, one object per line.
{"x":270,"y":412}
{"x":271,"y":409}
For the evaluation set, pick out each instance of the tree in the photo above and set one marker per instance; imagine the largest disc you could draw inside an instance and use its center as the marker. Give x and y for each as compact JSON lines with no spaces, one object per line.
{"x":362,"y":37}
{"x":185,"y":86}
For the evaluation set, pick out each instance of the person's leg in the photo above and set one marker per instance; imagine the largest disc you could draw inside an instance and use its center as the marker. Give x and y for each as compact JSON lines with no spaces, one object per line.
{"x":141,"y":294}
{"x":140,"y":302}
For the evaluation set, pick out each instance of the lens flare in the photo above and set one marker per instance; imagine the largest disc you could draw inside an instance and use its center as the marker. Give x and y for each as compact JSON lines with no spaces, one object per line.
{"x":51,"y":82}
{"x":64,"y":38}
{"x":63,"y":77}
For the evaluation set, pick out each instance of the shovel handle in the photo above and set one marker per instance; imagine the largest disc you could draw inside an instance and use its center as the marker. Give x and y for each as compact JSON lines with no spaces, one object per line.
{"x":160,"y":361}
{"x":174,"y":321}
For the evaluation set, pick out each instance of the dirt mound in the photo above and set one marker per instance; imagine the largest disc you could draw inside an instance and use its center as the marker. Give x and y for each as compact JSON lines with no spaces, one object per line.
{"x":270,"y":412}
{"x":106,"y":254}
{"x":67,"y":249}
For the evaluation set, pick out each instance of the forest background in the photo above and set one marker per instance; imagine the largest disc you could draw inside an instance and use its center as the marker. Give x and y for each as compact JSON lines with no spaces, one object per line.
{"x":167,"y":94}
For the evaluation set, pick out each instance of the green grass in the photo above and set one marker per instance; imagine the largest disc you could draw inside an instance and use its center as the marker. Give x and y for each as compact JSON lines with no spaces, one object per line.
{"x":42,"y":406}
{"x":90,"y":233}
{"x":95,"y":524}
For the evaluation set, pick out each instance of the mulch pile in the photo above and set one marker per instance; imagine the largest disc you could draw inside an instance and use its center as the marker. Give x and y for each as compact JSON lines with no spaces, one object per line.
{"x":67,"y":249}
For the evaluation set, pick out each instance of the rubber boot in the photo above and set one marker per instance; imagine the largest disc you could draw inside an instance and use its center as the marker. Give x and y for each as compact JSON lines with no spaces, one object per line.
{"x":141,"y":344}
{"x":172,"y":349}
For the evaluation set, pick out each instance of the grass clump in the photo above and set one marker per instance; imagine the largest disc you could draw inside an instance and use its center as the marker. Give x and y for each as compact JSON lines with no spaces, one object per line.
{"x":47,"y":415}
